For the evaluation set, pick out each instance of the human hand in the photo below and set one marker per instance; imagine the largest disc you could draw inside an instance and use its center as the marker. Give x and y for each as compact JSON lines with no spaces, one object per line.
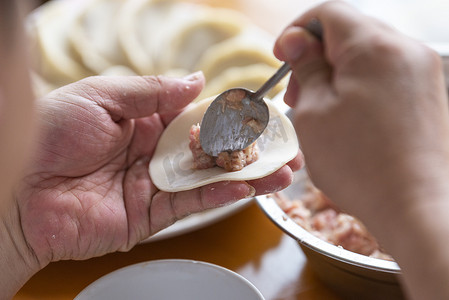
{"x":371,"y":108}
{"x":371,"y":112}
{"x":88,"y":191}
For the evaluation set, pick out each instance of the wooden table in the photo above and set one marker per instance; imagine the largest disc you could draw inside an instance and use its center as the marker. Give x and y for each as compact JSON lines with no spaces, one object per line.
{"x":246,"y":242}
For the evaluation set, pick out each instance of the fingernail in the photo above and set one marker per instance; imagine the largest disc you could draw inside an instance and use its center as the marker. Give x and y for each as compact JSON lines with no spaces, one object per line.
{"x":292,"y":43}
{"x":251,"y":191}
{"x":194,"y":76}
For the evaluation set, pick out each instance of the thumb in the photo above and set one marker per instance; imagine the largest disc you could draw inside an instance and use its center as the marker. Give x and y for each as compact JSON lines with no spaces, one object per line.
{"x":310,"y":70}
{"x":129,"y":97}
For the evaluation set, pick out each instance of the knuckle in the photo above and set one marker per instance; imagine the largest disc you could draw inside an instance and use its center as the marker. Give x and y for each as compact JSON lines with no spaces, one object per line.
{"x":431,"y":57}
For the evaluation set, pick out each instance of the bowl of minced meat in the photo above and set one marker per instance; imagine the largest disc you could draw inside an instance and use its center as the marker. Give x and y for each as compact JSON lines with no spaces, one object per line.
{"x":338,"y":247}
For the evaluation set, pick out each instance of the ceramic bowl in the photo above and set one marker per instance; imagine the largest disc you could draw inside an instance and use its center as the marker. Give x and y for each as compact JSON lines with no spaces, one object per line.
{"x":171,"y":279}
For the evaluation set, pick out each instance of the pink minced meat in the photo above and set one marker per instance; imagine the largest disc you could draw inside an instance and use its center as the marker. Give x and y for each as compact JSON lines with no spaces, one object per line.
{"x":230,"y":161}
{"x":201,"y":160}
{"x":318,"y":215}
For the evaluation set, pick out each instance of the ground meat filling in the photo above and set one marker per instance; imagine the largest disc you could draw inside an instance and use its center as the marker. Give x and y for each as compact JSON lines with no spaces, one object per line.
{"x":230,"y":161}
{"x":201,"y":160}
{"x":318,"y":215}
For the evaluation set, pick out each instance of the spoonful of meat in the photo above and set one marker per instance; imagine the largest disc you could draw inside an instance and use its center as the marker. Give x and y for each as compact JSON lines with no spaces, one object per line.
{"x":238,"y":116}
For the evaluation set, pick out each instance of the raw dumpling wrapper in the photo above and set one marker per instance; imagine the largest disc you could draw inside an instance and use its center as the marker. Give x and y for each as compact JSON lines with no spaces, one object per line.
{"x":171,"y":166}
{"x":73,"y":39}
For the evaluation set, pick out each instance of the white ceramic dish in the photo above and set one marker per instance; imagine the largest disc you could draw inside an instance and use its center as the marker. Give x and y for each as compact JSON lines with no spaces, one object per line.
{"x":199,"y":220}
{"x":171,"y":279}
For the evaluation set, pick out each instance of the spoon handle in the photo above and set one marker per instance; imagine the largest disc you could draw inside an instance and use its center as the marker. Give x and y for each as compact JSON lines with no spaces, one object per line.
{"x":314,"y":27}
{"x":266,"y":87}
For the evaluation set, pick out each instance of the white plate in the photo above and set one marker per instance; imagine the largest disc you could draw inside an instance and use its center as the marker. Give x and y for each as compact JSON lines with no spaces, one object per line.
{"x":171,"y":279}
{"x":199,"y":220}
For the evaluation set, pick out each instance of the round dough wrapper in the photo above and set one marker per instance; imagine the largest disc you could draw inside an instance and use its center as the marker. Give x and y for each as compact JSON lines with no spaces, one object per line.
{"x":56,"y":61}
{"x":251,"y":46}
{"x":94,"y":35}
{"x":128,"y":36}
{"x":171,"y":166}
{"x":214,"y":63}
{"x":145,"y":26}
{"x":118,"y":70}
{"x":209,"y":28}
{"x":251,"y":77}
{"x":40,"y":86}
{"x":147,"y":37}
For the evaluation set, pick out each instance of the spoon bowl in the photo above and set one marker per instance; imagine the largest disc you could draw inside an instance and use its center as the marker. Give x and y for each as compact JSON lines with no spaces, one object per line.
{"x":249,"y":118}
{"x":237,"y":117}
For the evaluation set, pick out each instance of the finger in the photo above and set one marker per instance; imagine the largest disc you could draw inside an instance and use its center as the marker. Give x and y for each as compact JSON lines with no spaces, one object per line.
{"x":274,"y":182}
{"x":297,"y":163}
{"x":337,"y":18}
{"x":341,"y":23}
{"x":167,"y":117}
{"x":303,"y":52}
{"x":129,"y":97}
{"x":310,"y":69}
{"x":137,"y":192}
{"x":166,"y":208}
{"x":292,"y":92}
{"x":145,"y":137}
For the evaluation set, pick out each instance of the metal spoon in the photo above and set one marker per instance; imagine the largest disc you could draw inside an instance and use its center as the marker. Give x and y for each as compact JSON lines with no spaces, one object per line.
{"x":238,"y":116}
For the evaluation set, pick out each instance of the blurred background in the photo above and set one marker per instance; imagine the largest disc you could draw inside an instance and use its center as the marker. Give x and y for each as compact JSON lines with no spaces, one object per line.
{"x":427,"y":21}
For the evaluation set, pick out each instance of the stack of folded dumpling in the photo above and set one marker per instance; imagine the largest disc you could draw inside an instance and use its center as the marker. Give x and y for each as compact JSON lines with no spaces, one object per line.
{"x":72,"y":39}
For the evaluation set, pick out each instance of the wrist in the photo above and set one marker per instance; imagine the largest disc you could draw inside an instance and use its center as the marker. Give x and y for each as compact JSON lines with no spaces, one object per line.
{"x":17,"y":261}
{"x":413,"y":227}
{"x":420,"y":246}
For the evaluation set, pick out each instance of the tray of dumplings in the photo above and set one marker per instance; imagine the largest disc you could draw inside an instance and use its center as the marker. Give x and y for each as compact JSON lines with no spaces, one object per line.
{"x":73,"y":39}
